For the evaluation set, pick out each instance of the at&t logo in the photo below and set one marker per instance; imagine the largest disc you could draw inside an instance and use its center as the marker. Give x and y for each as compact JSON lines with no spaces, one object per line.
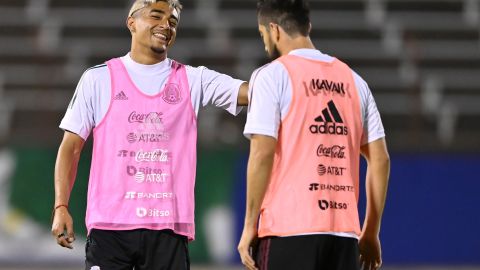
{"x":147,"y":174}
{"x":132,"y":137}
{"x":140,"y":177}
{"x":330,"y":170}
{"x":148,"y":137}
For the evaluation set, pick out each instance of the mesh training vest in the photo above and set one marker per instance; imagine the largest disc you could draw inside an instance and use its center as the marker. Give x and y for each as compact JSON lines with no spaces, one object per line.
{"x":144,"y":157}
{"x":314,"y":182}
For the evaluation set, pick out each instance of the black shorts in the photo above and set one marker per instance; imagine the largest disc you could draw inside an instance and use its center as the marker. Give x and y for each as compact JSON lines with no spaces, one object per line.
{"x":308,"y":252}
{"x":140,"y":249}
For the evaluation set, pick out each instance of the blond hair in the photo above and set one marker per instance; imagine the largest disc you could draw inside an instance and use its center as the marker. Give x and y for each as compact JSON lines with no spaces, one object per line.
{"x":139,"y":4}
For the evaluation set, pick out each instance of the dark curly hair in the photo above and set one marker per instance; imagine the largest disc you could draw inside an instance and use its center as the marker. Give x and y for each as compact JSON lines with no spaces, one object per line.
{"x":292,"y":15}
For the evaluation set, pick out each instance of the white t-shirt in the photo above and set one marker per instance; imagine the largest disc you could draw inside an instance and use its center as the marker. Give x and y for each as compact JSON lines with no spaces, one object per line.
{"x":92,"y":96}
{"x":270,"y":93}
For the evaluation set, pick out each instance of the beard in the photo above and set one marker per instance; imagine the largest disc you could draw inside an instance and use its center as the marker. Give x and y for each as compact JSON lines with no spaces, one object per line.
{"x":158,"y":50}
{"x":274,"y":53}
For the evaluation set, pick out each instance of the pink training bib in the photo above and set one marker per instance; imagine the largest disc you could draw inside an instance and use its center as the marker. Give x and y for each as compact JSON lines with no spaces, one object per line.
{"x":314,"y":182}
{"x":144,"y":157}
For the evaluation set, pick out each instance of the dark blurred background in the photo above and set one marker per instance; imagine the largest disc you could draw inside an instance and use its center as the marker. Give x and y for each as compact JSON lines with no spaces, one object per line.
{"x":421,"y":59}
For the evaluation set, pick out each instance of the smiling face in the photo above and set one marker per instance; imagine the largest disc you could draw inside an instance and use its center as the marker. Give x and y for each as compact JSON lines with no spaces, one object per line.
{"x":153,"y":29}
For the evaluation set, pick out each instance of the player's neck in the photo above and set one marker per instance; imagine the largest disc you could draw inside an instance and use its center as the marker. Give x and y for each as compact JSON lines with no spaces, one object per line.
{"x":300,"y":42}
{"x":147,"y":58}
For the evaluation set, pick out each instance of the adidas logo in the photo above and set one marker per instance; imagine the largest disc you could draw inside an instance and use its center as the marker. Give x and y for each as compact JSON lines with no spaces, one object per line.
{"x":121,"y":96}
{"x":330,"y":122}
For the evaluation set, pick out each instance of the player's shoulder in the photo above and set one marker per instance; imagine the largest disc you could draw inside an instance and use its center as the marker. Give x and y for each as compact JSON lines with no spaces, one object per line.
{"x":360,"y":82}
{"x":97,"y":67}
{"x":358,"y":79}
{"x":269,"y":71}
{"x":194,"y":70}
{"x":206,"y":75}
{"x":270,"y":68}
{"x":97,"y":72}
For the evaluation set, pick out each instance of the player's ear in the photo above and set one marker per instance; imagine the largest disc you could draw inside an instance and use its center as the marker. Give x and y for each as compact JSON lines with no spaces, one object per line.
{"x":275,"y":31}
{"x":131,"y":24}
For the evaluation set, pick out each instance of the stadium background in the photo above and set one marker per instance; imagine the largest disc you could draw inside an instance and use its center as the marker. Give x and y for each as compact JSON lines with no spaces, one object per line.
{"x":421,"y":59}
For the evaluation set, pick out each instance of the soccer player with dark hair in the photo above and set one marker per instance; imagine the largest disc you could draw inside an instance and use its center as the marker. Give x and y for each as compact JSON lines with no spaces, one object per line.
{"x":310,"y":118}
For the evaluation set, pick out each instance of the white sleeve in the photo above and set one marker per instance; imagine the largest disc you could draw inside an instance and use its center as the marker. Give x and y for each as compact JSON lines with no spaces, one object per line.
{"x":372,"y":122}
{"x":264,"y":110}
{"x":79,"y":117}
{"x":218,"y":89}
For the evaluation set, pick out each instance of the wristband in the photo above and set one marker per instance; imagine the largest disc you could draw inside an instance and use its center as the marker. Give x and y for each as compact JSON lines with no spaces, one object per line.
{"x":60,"y":205}
{"x":55,"y":209}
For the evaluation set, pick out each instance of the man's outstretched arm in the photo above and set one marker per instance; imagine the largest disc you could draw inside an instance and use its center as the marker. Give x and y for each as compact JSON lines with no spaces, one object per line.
{"x":378,"y":172}
{"x":65,"y":173}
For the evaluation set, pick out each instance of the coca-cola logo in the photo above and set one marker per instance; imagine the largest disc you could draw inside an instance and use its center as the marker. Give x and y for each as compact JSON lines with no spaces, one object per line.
{"x":335,"y":151}
{"x":152,"y":117}
{"x":157,"y":155}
